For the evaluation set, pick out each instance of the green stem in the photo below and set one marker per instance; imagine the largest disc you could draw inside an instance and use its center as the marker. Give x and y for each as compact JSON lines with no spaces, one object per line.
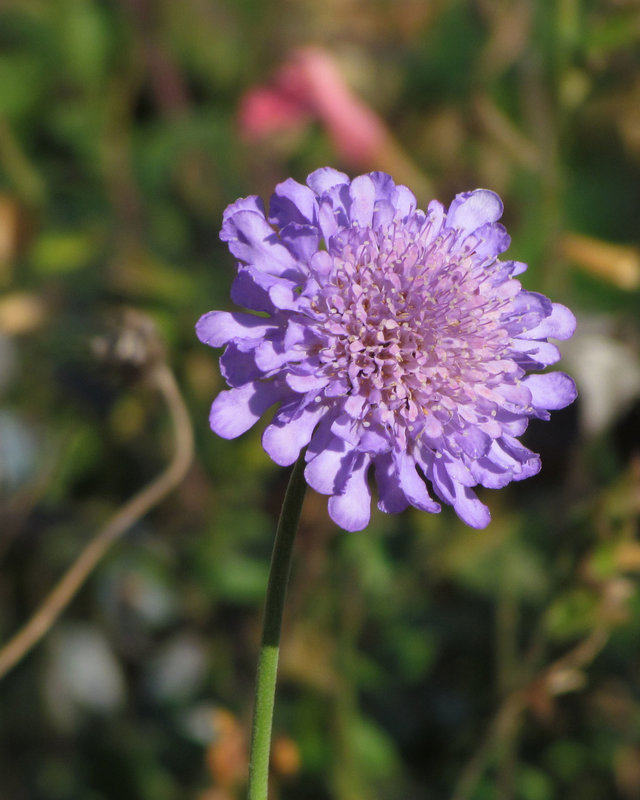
{"x":270,"y":645}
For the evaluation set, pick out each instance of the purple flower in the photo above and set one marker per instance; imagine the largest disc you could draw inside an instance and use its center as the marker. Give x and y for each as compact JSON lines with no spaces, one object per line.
{"x":393,"y":341}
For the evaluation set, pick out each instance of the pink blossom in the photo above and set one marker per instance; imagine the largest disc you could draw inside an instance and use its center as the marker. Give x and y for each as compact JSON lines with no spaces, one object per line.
{"x":310,"y":85}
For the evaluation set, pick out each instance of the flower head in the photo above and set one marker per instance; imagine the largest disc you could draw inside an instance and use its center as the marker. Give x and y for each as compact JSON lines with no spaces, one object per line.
{"x":393,"y":341}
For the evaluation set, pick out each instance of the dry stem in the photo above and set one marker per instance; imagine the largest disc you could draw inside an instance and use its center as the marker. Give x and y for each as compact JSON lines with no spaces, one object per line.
{"x":59,"y":598}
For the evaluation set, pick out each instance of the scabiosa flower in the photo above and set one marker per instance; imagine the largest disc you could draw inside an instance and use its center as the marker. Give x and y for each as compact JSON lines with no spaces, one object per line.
{"x":394,"y":342}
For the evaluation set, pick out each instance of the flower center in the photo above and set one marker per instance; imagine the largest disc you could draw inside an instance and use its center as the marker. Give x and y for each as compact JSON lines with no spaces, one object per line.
{"x":407,"y":326}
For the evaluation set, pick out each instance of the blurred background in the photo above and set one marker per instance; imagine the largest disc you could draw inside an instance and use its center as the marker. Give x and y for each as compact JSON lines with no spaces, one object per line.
{"x":421,"y":659}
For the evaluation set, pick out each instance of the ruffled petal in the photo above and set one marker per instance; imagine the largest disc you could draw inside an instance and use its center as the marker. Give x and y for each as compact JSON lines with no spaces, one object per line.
{"x":462,"y":498}
{"x":522,"y":462}
{"x":219,"y":327}
{"x":306,"y":383}
{"x":251,"y":203}
{"x":473,"y":441}
{"x":559,"y":324}
{"x":471,"y":210}
{"x":386,"y":189}
{"x":334,"y":212}
{"x":387,"y":196}
{"x":363,"y":197}
{"x":326,"y":178}
{"x":290,"y":432}
{"x":517,"y":267}
{"x":552,"y":390}
{"x":459,"y":472}
{"x":249,"y":293}
{"x":489,"y":474}
{"x":270,"y":355}
{"x":346,"y":428}
{"x":236,"y":410}
{"x":527,"y":311}
{"x":374,"y":441}
{"x":404,"y":202}
{"x":470,"y":510}
{"x":328,"y":471}
{"x":441,"y":481}
{"x":301,"y":240}
{"x":412,"y":485}
{"x":490,"y":240}
{"x":278,"y":292}
{"x":391,"y":498}
{"x":293,"y":202}
{"x":285,"y":296}
{"x":252,"y":240}
{"x":351,"y":509}
{"x":506,"y":461}
{"x":532,"y":353}
{"x":238,"y":364}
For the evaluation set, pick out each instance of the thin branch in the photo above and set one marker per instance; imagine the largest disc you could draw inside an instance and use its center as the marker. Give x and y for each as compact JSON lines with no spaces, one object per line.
{"x":515,"y":704}
{"x":59,"y":598}
{"x":501,"y":726}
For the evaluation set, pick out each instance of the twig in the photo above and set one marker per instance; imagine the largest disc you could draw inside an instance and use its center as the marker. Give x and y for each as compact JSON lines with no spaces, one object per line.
{"x":500,"y":727}
{"x":517,"y":701}
{"x":16,"y":648}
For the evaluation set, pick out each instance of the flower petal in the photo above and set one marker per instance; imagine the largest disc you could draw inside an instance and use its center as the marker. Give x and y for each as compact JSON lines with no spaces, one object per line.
{"x":326,"y":178}
{"x":306,"y":383}
{"x":530,"y":353}
{"x":216,"y":328}
{"x":252,"y":240}
{"x":517,"y":267}
{"x":391,"y":498}
{"x":540,"y":351}
{"x":293,"y":202}
{"x":522,"y":462}
{"x":473,"y":441}
{"x":238,"y":364}
{"x":414,"y":488}
{"x":270,"y":355}
{"x":328,"y":471}
{"x":251,"y":203}
{"x":560,"y":324}
{"x":345,"y":427}
{"x":441,"y":480}
{"x":490,"y":474}
{"x":490,"y":240}
{"x":363,"y":196}
{"x":287,"y":435}
{"x":351,"y":510}
{"x":301,"y":240}
{"x":404,"y":202}
{"x":527,"y":311}
{"x":552,"y":390}
{"x":247,"y":292}
{"x":327,"y":219}
{"x":470,"y":510}
{"x":236,"y":410}
{"x":470,"y":210}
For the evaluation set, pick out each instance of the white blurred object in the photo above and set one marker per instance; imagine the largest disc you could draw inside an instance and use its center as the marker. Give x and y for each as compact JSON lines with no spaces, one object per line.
{"x":83,"y":675}
{"x":146,"y":595}
{"x":18,"y":451}
{"x":606,"y":370}
{"x":198,"y":723}
{"x":178,"y":670}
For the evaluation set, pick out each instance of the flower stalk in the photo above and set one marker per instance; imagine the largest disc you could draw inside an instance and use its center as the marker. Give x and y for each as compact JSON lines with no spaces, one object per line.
{"x":272,"y":625}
